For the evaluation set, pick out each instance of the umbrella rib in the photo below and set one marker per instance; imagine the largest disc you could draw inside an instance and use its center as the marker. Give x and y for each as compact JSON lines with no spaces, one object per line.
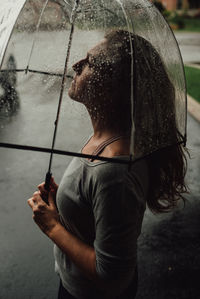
{"x":61,"y":152}
{"x":37,"y":28}
{"x":67,"y":3}
{"x":110,"y":11}
{"x":34,"y":71}
{"x":80,"y":155}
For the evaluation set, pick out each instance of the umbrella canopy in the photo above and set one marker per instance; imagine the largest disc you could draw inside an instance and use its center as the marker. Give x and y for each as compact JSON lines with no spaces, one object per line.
{"x":139,"y":77}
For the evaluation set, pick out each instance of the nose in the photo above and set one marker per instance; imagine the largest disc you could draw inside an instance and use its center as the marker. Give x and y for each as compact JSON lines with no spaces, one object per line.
{"x":78,"y":66}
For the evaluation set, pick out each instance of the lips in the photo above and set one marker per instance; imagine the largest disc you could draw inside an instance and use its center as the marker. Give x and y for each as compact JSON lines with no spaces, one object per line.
{"x":74,"y":80}
{"x":73,"y":83}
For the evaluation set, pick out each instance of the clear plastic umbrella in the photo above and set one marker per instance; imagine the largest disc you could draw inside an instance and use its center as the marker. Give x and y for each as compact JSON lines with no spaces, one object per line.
{"x":141,"y":72}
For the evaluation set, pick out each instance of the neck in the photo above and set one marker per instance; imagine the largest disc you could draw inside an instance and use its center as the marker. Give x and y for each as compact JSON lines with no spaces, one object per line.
{"x":105,"y":126}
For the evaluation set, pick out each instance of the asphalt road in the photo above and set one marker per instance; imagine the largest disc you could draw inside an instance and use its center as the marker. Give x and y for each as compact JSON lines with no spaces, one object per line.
{"x":168,"y":249}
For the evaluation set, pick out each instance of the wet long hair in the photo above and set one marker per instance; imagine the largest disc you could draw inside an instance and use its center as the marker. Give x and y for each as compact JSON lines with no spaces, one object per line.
{"x":156,"y":133}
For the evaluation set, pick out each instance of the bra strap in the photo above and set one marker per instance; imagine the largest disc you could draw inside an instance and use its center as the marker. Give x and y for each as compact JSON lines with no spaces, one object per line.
{"x":105,"y":143}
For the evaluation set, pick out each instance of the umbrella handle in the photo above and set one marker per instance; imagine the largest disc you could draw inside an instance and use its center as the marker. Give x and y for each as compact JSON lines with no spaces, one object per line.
{"x":47,"y":186}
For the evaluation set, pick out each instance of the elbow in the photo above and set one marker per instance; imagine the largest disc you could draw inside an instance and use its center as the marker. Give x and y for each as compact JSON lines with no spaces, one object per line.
{"x":115,"y":279}
{"x":114,"y":270}
{"x":107,"y":273}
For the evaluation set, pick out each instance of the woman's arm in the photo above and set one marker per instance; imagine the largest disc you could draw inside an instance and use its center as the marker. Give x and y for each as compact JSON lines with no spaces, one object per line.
{"x":48,"y":220}
{"x":117,"y":221}
{"x":82,"y":255}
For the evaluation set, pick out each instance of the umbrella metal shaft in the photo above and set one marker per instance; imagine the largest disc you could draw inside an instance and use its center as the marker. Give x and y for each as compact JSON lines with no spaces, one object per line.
{"x":48,"y":175}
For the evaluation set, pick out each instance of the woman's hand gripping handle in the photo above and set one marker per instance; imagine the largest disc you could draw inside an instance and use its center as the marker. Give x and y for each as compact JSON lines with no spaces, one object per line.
{"x":49,"y":186}
{"x":45,"y":193}
{"x":45,"y":215}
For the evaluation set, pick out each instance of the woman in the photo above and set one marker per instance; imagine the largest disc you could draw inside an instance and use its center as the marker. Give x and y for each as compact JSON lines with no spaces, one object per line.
{"x":101,"y":204}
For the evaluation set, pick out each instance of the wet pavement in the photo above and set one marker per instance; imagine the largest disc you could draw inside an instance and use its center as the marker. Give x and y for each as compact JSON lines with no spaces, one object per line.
{"x":169,"y":246}
{"x":189,"y":43}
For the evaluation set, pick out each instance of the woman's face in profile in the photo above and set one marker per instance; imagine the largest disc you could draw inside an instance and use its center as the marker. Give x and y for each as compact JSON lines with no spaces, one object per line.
{"x":88,"y":79}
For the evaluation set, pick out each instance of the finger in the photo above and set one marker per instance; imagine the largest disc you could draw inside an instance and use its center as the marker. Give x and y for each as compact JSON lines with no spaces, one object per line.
{"x":41,"y":187}
{"x":31,"y":202}
{"x":39,"y":209}
{"x":41,"y":200}
{"x":51,"y":200}
{"x":39,"y":197}
{"x":36,"y":194}
{"x":53,"y":191}
{"x":53,"y":183}
{"x":43,"y":194}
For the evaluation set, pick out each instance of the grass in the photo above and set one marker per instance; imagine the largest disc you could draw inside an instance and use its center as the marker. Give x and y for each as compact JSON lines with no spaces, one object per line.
{"x":191,"y":24}
{"x":193,"y":82}
{"x":184,"y":24}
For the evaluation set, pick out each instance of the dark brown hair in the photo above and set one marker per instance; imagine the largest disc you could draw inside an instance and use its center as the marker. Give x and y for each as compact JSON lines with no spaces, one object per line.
{"x":156,"y":131}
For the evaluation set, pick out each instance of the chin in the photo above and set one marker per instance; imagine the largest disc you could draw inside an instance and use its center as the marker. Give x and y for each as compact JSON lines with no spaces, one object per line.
{"x":70,"y":93}
{"x":76,"y":95}
{"x":73,"y":96}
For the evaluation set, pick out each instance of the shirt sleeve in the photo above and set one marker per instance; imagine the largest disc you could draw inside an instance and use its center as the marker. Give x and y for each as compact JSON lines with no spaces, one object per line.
{"x":118,"y":217}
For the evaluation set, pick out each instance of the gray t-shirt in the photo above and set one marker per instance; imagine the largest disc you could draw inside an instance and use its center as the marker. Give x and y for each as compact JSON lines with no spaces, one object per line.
{"x":103,"y":205}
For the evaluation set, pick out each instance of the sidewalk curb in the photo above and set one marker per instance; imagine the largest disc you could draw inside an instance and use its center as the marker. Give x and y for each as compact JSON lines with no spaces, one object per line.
{"x":194,"y":65}
{"x":193,"y":108}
